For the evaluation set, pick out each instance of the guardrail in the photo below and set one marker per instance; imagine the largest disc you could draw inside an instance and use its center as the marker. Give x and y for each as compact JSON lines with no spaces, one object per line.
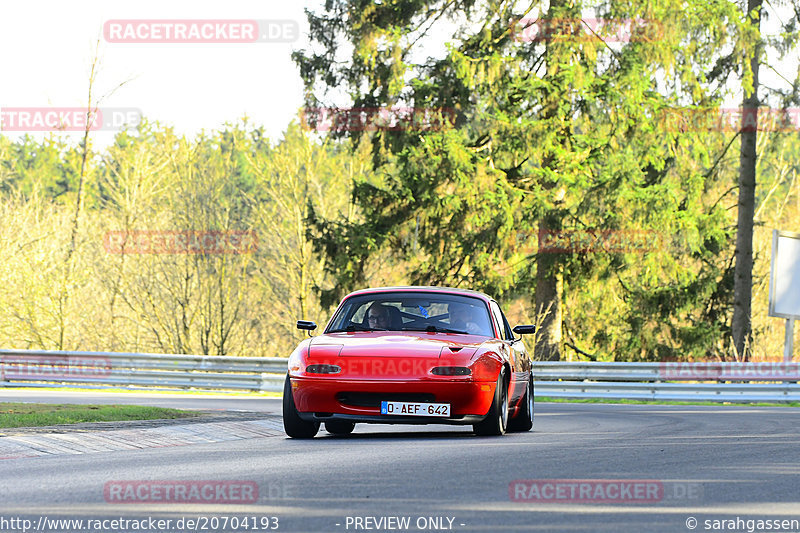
{"x":723,"y":382}
{"x":712,"y":381}
{"x":28,"y":368}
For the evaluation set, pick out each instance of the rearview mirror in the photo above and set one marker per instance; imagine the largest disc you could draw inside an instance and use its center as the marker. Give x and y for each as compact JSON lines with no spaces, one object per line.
{"x":524,"y":330}
{"x":306,"y":325}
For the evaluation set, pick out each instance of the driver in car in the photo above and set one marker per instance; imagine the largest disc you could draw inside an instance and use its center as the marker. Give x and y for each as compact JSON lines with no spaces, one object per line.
{"x":378,"y":316}
{"x":462,"y":318}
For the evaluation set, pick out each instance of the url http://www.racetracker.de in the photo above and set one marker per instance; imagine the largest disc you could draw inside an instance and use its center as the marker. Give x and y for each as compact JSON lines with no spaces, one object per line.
{"x":247,"y":523}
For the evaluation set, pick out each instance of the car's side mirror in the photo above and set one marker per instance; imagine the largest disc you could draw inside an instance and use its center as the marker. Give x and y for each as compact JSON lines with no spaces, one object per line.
{"x":523,"y":330}
{"x":306,"y":325}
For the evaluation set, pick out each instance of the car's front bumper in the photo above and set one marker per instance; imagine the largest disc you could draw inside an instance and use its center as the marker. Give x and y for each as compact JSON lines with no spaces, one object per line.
{"x":325,"y":398}
{"x":386,"y":419}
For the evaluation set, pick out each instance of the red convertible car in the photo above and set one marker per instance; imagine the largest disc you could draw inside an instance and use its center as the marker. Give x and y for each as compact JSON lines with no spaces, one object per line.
{"x":411,"y":355}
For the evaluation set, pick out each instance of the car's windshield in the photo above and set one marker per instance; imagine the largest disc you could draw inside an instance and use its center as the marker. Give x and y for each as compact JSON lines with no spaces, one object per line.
{"x":413,"y":311}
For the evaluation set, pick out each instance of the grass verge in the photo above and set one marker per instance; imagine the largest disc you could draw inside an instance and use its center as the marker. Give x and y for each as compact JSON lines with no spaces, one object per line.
{"x":221,"y":393}
{"x":15,"y":415}
{"x":548,"y":399}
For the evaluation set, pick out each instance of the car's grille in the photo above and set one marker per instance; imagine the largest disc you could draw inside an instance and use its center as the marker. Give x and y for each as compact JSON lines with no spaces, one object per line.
{"x":374,"y":399}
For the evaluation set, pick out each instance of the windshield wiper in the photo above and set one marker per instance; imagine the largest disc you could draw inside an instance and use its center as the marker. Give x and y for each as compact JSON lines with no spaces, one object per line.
{"x":351,"y":327}
{"x":436,"y":329}
{"x":356,"y":327}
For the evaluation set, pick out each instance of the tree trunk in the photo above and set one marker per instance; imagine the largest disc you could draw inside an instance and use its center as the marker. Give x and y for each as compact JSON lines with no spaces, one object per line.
{"x":69,"y":261}
{"x":549,"y":287}
{"x":549,"y":273}
{"x":743,"y":270}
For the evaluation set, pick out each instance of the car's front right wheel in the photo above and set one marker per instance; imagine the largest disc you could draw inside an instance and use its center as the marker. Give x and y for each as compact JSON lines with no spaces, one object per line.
{"x":295,"y":426}
{"x":524,"y":419}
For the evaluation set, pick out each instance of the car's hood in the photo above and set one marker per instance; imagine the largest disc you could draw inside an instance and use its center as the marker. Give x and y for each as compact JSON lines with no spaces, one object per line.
{"x":393,"y":344}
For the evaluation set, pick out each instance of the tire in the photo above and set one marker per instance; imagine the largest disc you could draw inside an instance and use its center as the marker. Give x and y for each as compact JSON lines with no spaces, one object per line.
{"x":496,"y":421}
{"x":339,"y":427}
{"x":295,"y":427}
{"x":524,"y":419}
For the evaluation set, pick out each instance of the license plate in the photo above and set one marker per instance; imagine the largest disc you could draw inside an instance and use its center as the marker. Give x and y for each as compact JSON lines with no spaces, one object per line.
{"x":415,"y":409}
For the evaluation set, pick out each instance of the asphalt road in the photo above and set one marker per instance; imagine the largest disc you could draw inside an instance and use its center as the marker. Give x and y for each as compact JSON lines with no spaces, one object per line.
{"x":657,"y":467}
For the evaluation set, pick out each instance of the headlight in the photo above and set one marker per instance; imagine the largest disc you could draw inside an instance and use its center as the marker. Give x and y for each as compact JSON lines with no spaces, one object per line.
{"x":323,"y":369}
{"x":451,"y":371}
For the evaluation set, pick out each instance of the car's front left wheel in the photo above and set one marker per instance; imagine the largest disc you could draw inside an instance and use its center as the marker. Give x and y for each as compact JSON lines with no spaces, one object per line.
{"x":496,"y":421}
{"x":295,"y":426}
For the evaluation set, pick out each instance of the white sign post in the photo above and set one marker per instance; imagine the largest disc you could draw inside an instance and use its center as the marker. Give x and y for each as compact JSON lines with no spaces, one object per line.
{"x":784,"y":283}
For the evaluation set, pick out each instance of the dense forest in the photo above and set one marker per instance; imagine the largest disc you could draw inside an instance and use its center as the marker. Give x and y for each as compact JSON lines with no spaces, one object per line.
{"x":590,"y":184}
